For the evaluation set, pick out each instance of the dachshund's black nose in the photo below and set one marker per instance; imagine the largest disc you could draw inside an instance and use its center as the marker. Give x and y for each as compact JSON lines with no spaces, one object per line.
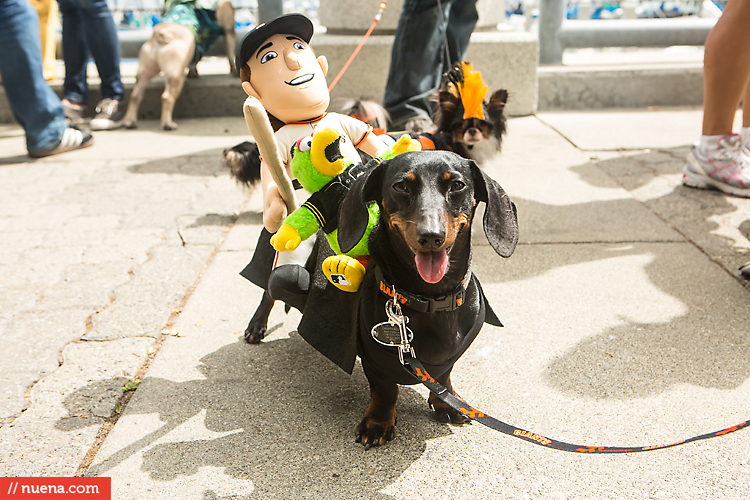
{"x":430,"y":235}
{"x":431,"y":241}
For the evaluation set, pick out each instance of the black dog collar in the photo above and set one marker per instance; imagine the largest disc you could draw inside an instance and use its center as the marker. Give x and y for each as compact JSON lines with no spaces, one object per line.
{"x":425,"y":304}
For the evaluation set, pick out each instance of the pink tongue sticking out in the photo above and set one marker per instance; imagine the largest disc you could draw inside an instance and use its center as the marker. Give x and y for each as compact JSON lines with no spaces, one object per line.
{"x":432,"y":265}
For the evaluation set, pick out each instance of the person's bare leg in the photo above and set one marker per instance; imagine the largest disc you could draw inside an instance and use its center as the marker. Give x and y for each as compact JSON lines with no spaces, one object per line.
{"x":746,"y":106}
{"x":726,"y":69}
{"x":719,"y":161}
{"x":745,"y":131}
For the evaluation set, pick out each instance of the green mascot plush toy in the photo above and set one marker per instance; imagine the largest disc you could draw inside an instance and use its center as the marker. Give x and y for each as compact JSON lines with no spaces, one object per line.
{"x":322,"y":170}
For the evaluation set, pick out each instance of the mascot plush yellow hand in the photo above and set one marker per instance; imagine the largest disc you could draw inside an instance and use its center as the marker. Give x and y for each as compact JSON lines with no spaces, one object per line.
{"x":286,"y":239}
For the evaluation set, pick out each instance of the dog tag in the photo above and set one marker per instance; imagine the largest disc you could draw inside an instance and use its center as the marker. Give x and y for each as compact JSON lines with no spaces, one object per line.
{"x":393,"y":332}
{"x":387,"y":333}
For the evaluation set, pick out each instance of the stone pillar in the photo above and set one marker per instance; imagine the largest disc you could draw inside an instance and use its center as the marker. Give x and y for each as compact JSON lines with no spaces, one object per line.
{"x":551,"y":17}
{"x":269,"y":10}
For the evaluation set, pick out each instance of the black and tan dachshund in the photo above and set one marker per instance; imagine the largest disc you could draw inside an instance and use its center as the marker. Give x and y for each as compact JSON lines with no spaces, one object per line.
{"x":421,"y":247}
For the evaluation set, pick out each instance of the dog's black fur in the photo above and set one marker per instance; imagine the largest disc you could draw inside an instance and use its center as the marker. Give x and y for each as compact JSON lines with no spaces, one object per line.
{"x":243,"y":162}
{"x":427,"y":202}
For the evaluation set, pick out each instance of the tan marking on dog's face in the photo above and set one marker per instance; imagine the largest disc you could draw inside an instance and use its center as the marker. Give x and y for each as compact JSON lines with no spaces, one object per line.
{"x":408,"y":230}
{"x":405,"y":227}
{"x":410,"y":176}
{"x":446,"y":176}
{"x":454,"y":226}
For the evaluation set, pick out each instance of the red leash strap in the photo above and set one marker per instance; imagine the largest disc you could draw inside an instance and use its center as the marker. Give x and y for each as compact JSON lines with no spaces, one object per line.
{"x":361,"y":43}
{"x":415,"y":368}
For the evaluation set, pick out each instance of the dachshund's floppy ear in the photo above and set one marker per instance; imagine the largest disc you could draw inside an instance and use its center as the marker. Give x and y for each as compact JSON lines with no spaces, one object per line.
{"x":500,"y":217}
{"x":353,"y":214}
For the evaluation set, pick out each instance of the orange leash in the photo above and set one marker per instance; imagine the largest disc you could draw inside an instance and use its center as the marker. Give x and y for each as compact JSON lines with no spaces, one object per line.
{"x":361,"y":43}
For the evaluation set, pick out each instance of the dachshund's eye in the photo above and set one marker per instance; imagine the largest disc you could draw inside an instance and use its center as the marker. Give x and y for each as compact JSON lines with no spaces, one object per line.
{"x":457,"y":186}
{"x":400,"y":187}
{"x":268,"y":56}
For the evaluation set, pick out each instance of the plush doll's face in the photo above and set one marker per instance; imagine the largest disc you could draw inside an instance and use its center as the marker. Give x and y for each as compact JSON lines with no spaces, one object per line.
{"x":317,"y":158}
{"x":287,"y":78}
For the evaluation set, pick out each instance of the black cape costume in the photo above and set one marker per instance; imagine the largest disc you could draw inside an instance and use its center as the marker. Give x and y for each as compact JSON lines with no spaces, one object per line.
{"x":329,"y":321}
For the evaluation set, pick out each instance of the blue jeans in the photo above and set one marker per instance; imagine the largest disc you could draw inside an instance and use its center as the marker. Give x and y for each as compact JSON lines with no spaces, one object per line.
{"x":418,"y":60}
{"x":88,"y":27}
{"x":36,"y":107}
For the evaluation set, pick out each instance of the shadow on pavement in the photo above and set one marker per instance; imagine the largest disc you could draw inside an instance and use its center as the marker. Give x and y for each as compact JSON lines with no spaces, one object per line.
{"x":245,"y":218}
{"x":288,"y":416}
{"x":205,"y":163}
{"x":708,"y":346}
{"x":15,"y":160}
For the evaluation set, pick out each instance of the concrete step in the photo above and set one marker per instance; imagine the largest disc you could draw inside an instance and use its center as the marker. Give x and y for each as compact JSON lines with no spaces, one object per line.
{"x":622,"y":78}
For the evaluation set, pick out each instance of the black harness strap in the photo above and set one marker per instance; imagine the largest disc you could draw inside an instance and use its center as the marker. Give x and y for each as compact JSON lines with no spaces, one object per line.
{"x":415,"y":368}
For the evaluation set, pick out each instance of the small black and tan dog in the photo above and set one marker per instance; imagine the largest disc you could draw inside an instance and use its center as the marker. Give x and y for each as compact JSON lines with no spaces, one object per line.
{"x":465,"y":122}
{"x":420,"y":251}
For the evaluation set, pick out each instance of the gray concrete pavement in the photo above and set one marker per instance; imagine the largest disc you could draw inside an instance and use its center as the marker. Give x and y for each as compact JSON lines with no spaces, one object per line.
{"x":625,"y":325}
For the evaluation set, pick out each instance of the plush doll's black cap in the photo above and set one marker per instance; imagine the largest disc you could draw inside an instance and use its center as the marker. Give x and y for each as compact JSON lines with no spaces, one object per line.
{"x":293,"y":24}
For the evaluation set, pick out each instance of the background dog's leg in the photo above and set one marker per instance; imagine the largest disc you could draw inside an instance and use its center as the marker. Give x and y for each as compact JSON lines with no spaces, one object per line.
{"x":378,"y":426}
{"x":225,"y":16}
{"x":172,"y":89}
{"x":147,"y":69}
{"x":173,"y":58}
{"x":258,"y":325}
{"x":443,"y":412}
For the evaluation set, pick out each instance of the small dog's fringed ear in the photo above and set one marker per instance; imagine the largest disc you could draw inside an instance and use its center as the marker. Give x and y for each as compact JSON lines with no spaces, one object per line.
{"x":500,"y":217}
{"x":353,"y":214}
{"x":496,"y":111}
{"x":498,"y":100}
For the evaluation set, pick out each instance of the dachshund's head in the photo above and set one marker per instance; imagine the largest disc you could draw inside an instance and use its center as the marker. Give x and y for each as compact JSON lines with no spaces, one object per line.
{"x":428,"y":199}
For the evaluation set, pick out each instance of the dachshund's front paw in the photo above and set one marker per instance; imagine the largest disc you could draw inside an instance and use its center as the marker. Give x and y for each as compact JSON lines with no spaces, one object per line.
{"x":446,"y":413}
{"x":373,"y":432}
{"x":255,"y":333}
